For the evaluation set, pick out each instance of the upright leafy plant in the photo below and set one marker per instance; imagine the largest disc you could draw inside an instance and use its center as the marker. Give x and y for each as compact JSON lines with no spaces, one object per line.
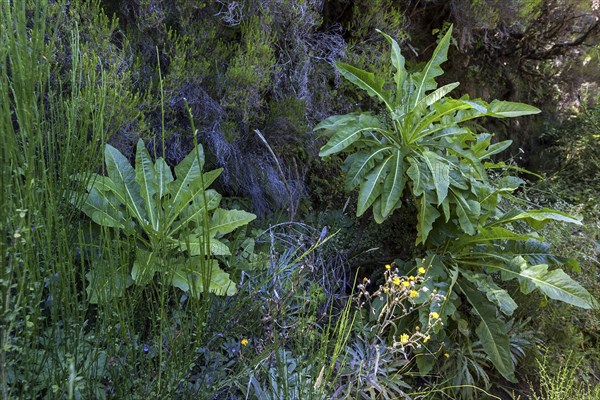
{"x":176,"y":220}
{"x":421,"y":150}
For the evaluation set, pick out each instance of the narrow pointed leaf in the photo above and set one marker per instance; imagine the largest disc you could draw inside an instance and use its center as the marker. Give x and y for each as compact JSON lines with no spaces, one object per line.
{"x":427,"y":215}
{"x":398,"y":62}
{"x":394,"y":183}
{"x":187,"y":171}
{"x":425,"y":79}
{"x":489,"y":235}
{"x":536,"y":218}
{"x":499,"y":108}
{"x":164,"y":176}
{"x":494,"y":149}
{"x":434,"y":97}
{"x":145,"y":176}
{"x":194,"y":190}
{"x":366,"y":81}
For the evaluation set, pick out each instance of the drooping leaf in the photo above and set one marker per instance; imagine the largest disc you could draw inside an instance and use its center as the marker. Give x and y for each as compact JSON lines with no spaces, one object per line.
{"x":122,"y":175}
{"x":366,"y":81}
{"x":343,"y":135}
{"x":492,"y":332}
{"x":191,"y":278}
{"x":536,"y":218}
{"x":225,"y":221}
{"x":557,"y":285}
{"x":145,"y":176}
{"x":488,"y":235}
{"x":499,"y":108}
{"x":538,"y":252}
{"x":102,"y":210}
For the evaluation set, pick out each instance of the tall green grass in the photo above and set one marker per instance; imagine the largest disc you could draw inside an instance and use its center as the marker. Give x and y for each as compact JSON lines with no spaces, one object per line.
{"x":48,"y":133}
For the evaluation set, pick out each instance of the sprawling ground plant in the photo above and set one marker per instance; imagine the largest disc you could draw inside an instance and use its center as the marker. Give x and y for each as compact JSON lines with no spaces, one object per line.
{"x":474,"y":235}
{"x":176,"y":222}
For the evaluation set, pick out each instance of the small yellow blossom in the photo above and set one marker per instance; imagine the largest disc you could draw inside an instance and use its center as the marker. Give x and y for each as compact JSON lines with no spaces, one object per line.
{"x":426,"y":339}
{"x":417,"y":328}
{"x":411,"y":278}
{"x":404,"y":338}
{"x":396,"y":280}
{"x":413,"y":294}
{"x":446,"y":355}
{"x":421,"y":270}
{"x":388,"y":266}
{"x":386,"y":290}
{"x":434,"y":315}
{"x":406,"y":283}
{"x":244,"y":342}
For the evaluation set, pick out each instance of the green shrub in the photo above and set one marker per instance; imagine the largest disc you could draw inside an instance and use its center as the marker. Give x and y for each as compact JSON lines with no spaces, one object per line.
{"x":472,"y":232}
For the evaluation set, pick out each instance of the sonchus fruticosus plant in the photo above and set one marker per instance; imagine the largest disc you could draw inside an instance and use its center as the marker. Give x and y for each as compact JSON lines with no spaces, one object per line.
{"x":421,"y":151}
{"x":175,"y":220}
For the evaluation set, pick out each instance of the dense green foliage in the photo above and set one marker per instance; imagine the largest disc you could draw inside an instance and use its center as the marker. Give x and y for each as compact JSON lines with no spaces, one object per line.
{"x":172,"y":230}
{"x":468,"y":224}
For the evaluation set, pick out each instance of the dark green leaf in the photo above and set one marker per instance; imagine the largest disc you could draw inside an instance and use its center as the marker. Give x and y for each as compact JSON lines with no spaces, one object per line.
{"x":492,"y":332}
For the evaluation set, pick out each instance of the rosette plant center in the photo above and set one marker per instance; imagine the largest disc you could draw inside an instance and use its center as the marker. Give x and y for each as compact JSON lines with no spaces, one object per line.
{"x":175,"y":220}
{"x":420,"y":150}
